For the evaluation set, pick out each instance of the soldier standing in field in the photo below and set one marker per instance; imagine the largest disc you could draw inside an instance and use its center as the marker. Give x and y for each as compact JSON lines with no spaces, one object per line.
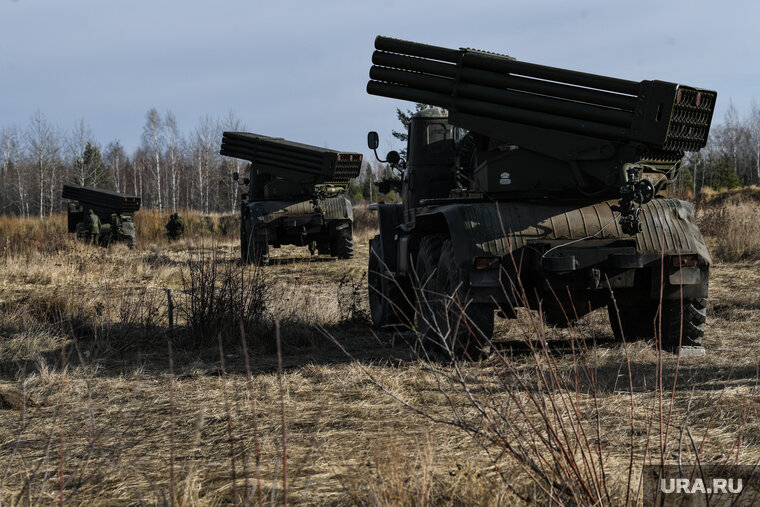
{"x":94,"y":224}
{"x":115,"y":227}
{"x":175,"y":228}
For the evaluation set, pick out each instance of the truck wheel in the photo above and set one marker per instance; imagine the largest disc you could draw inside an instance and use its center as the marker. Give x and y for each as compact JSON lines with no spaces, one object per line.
{"x":105,"y":235}
{"x":343,"y":245}
{"x":83,"y":233}
{"x":244,"y":243}
{"x":387,"y":303}
{"x":684,"y":323}
{"x":424,"y":284}
{"x":252,"y":251}
{"x":258,"y":252}
{"x":467,"y":326}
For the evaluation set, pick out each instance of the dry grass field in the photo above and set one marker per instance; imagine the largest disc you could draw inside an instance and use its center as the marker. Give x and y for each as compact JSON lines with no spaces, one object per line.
{"x":101,"y":402}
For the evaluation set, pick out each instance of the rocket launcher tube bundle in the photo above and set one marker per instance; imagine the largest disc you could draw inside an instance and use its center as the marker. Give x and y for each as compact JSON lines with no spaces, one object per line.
{"x":102,"y":199}
{"x":667,"y":118}
{"x":300,"y":163}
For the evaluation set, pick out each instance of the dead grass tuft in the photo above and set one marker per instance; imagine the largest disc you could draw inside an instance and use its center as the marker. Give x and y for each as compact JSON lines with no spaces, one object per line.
{"x":150,"y":226}
{"x":731,"y":227}
{"x":709,"y":196}
{"x":221,"y":298}
{"x":365,"y":222}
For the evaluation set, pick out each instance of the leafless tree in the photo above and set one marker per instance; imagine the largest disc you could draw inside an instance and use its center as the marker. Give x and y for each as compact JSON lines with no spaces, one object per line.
{"x":13,"y":170}
{"x":205,"y":147}
{"x":754,"y":136}
{"x":116,"y":158}
{"x":233,"y":124}
{"x":77,"y":142}
{"x":730,"y":134}
{"x":174,"y":140}
{"x":140,"y":160}
{"x":43,"y":147}
{"x":153,"y":140}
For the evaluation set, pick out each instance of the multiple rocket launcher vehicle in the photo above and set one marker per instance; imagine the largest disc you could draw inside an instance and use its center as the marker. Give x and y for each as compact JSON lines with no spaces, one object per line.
{"x":105,"y":204}
{"x":538,"y":187}
{"x":525,"y":185}
{"x":295,"y":196}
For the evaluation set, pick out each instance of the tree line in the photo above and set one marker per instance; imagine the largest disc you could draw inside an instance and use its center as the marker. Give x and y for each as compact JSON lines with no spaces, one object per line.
{"x":731,"y":158}
{"x":172,"y":170}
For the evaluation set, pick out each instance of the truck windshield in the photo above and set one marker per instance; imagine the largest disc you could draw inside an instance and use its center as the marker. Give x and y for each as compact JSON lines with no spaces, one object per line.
{"x":438,"y":132}
{"x":430,"y":141}
{"x":433,"y":141}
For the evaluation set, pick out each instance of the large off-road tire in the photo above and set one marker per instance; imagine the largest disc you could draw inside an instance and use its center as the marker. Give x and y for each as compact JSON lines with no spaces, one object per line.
{"x":388,"y":305}
{"x":342,"y":246}
{"x":682,"y":323}
{"x":251,"y":250}
{"x":83,"y":233}
{"x":105,"y":235}
{"x":466,"y":326}
{"x":244,"y":243}
{"x":424,"y":285}
{"x":258,"y":252}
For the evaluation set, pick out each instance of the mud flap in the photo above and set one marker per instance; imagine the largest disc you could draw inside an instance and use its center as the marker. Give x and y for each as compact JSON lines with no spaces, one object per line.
{"x":389,"y":217}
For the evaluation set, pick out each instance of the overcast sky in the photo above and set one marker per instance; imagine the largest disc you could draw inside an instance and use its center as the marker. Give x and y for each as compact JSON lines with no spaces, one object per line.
{"x":298,"y":69}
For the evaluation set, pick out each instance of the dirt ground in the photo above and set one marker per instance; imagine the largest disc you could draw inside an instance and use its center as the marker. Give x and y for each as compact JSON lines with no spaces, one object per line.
{"x":89,"y":404}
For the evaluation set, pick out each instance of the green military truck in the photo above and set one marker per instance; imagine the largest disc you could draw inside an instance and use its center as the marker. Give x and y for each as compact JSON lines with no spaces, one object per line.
{"x":295,"y":196}
{"x":532,"y":186}
{"x":115,"y":211}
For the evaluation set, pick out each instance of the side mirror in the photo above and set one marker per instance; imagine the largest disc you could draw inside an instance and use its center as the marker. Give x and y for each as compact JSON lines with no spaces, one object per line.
{"x":235,"y":176}
{"x":373,"y":140}
{"x":393,"y":157}
{"x":384,"y":187}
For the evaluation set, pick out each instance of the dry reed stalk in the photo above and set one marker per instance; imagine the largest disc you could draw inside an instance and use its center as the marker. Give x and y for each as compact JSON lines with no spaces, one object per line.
{"x":254,"y":417}
{"x":17,"y":443}
{"x":631,"y":399}
{"x":228,"y":412}
{"x":284,"y":423}
{"x":62,"y":448}
{"x":172,"y":487}
{"x":677,"y":369}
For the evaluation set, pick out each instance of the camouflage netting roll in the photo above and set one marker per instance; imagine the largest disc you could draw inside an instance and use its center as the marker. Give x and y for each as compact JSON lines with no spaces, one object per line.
{"x":300,"y":163}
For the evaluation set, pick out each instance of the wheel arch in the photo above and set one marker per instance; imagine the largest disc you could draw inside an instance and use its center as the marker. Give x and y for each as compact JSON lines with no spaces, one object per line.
{"x":448,"y":221}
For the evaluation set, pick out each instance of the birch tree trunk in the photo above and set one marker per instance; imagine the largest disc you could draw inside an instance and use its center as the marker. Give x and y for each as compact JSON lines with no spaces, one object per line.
{"x":170,"y":123}
{"x":42,"y":142}
{"x":153,"y":138}
{"x":77,"y":142}
{"x":754,"y":128}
